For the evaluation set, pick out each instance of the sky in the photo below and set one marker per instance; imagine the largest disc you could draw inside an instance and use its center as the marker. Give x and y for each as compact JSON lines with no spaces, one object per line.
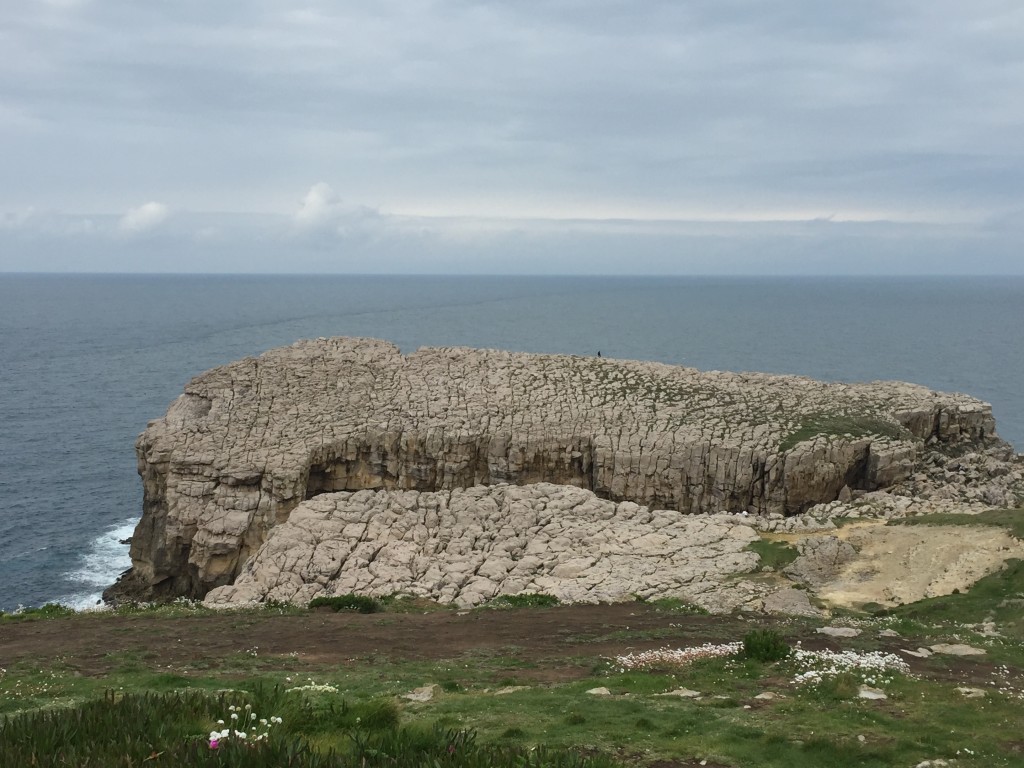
{"x":525,"y":136}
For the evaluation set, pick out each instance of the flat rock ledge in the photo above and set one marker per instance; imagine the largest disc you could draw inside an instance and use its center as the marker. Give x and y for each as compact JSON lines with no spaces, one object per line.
{"x":249,"y":442}
{"x":468,"y":546}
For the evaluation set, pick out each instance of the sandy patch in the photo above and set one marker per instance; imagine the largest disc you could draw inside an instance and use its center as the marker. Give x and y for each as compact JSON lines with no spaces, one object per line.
{"x":902,"y":564}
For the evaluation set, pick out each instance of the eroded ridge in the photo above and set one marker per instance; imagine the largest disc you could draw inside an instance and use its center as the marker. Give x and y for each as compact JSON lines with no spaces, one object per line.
{"x":249,"y":441}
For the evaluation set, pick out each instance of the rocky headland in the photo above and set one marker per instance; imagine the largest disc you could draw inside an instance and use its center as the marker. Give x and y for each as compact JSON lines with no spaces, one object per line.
{"x":340,"y":465}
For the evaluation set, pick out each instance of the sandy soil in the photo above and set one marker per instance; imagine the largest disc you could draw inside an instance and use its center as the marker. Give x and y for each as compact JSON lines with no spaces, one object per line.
{"x":903,"y":564}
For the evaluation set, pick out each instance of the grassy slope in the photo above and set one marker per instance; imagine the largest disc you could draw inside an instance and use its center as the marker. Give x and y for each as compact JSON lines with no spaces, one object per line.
{"x":923,"y":718}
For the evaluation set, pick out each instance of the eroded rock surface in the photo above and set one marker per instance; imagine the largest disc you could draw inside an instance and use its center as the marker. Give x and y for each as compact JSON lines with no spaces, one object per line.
{"x":248,"y":442}
{"x":467,"y":546}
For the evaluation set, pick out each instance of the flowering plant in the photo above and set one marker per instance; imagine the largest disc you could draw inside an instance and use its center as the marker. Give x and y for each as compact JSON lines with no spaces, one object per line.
{"x":873,"y":668}
{"x":239,"y":718}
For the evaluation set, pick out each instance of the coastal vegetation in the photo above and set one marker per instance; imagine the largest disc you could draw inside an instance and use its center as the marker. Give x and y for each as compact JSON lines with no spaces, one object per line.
{"x":829,"y":425}
{"x":650,"y":684}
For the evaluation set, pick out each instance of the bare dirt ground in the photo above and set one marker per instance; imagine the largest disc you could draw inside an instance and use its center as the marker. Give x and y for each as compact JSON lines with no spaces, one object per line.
{"x":554,"y":644}
{"x":557,"y":635}
{"x":903,"y":564}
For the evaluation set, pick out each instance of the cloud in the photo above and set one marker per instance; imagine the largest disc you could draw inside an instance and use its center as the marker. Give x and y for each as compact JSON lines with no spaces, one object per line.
{"x":573,"y":109}
{"x":321,"y":206}
{"x":146,"y":217}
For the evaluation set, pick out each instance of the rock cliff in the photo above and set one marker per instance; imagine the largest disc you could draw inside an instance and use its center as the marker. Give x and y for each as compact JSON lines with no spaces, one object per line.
{"x":248,"y":442}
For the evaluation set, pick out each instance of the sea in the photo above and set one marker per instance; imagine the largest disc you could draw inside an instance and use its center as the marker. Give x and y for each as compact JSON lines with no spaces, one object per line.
{"x":87,"y":360}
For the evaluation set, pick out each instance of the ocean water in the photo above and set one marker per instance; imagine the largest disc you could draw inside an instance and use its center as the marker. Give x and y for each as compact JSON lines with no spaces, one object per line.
{"x":86,"y":361}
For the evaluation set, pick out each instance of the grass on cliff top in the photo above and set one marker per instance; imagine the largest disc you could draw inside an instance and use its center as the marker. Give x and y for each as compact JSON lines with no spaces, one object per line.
{"x":550,"y":713}
{"x":835,"y":425}
{"x":353,"y":715}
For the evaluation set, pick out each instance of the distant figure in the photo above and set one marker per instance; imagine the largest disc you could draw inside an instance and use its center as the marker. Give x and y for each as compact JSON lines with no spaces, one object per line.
{"x":599,"y":353}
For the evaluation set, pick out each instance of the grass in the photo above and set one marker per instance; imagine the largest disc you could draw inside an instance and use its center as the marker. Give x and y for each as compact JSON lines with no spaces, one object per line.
{"x":836,"y":425}
{"x":524,"y":600}
{"x":774,"y":554}
{"x":139,"y":708}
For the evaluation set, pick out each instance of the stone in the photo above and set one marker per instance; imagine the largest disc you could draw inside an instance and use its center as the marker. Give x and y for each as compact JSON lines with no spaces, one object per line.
{"x":957,"y":649}
{"x":426,"y":693}
{"x":867,"y":692}
{"x":820,"y":559}
{"x":511,"y":689}
{"x":888,"y":633}
{"x":791,"y":602}
{"x":768,"y":696}
{"x":682,"y":693}
{"x":247,"y":443}
{"x":920,"y":653}
{"x":838,"y":631}
{"x":971,"y":693}
{"x":602,"y":691}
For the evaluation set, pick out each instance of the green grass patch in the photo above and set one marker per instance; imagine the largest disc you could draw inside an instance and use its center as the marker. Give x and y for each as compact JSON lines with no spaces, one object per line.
{"x":774,"y":554}
{"x":47,"y":611}
{"x":524,"y":600}
{"x":174,"y":730}
{"x":837,"y":425}
{"x":349,"y":602}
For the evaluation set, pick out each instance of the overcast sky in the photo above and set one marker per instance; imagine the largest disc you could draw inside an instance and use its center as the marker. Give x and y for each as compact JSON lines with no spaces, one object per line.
{"x":524,"y":136}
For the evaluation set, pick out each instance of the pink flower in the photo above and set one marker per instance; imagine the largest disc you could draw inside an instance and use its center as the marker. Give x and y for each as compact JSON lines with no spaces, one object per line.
{"x":214,"y":743}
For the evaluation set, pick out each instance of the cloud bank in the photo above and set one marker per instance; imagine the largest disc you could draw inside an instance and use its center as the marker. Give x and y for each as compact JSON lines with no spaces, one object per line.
{"x":558,"y":125}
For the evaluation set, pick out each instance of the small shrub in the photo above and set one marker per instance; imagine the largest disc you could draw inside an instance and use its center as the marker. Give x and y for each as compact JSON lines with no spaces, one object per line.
{"x":350,"y":602}
{"x":575,"y":719}
{"x":765,"y":645}
{"x":845,"y":685}
{"x":526,"y":600}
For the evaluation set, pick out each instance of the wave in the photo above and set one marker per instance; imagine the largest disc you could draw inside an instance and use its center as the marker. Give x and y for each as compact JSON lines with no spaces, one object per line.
{"x":105,"y":560}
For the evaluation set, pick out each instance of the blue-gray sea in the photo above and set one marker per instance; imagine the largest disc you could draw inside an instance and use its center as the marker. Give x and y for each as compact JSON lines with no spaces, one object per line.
{"x":86,"y":361}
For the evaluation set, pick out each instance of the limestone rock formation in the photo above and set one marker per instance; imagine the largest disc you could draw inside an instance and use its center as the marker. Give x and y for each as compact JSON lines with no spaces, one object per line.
{"x":467,"y":546}
{"x":248,"y":442}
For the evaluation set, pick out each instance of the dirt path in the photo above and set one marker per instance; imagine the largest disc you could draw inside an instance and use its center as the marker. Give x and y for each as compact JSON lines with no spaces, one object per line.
{"x":554,"y":644}
{"x":94,"y":645}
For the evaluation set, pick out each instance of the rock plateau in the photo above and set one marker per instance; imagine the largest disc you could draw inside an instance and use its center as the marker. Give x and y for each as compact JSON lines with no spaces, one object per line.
{"x":340,"y":465}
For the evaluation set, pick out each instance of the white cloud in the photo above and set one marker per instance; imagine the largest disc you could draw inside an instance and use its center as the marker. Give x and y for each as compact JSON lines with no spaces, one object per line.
{"x":320,"y":206}
{"x":144,"y":218}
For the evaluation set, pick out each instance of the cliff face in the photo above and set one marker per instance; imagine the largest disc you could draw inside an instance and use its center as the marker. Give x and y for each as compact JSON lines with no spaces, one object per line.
{"x":247,"y":442}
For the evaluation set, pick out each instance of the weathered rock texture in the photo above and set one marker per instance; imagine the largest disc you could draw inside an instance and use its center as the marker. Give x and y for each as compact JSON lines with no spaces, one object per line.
{"x":468,"y":546}
{"x":249,"y":441}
